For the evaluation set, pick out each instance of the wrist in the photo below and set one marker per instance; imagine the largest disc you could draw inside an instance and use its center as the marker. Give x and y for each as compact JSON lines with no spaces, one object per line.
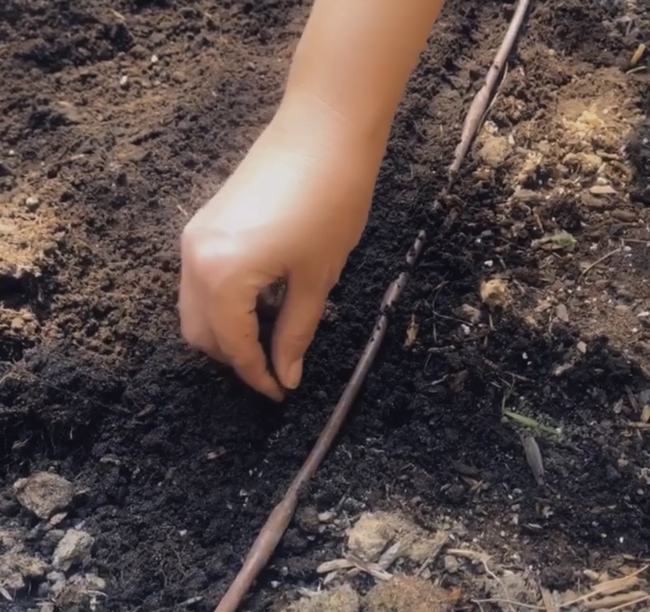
{"x":305,"y":115}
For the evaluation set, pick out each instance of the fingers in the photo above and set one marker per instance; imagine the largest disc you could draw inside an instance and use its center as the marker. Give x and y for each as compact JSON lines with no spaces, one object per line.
{"x":296,"y":326}
{"x":195,"y":329}
{"x":236,"y":329}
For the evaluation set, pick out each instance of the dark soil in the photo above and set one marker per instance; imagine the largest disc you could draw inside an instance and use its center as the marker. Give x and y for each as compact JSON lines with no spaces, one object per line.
{"x":182,"y":463}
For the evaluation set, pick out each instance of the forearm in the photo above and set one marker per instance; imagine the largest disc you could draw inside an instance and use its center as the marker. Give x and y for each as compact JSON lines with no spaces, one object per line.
{"x":355,"y":57}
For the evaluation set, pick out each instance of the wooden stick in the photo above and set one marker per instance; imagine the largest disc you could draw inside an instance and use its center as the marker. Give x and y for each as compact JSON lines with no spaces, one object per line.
{"x":279,"y":520}
{"x":476,"y":112}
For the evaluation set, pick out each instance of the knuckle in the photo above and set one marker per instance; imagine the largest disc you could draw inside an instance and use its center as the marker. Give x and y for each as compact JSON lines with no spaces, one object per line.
{"x":211,"y":255}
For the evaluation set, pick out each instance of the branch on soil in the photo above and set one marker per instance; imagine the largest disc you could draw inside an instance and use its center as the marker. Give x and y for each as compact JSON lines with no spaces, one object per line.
{"x":281,"y":516}
{"x":478,"y":109}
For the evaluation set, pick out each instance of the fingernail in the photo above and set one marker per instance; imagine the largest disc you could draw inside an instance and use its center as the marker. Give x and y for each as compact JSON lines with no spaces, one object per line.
{"x":294,"y":374}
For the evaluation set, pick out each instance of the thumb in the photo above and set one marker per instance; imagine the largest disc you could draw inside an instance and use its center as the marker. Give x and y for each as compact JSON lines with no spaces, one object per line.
{"x":296,"y":326}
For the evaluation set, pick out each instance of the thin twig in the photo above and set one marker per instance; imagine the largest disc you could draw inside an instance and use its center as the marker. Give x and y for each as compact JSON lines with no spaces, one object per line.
{"x":509,"y":602}
{"x":279,"y":520}
{"x":481,"y":101}
{"x":599,"y":261}
{"x":629,"y":604}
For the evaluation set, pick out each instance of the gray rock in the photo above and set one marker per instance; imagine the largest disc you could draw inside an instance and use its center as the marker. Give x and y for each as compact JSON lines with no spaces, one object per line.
{"x":73,"y":548}
{"x":44,"y":493}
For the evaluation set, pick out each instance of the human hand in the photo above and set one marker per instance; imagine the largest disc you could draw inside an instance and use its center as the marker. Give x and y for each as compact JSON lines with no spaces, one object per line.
{"x":293,"y":210}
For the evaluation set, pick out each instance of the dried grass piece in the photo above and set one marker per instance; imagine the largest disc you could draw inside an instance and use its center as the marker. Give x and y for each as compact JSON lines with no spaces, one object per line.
{"x":622,"y":599}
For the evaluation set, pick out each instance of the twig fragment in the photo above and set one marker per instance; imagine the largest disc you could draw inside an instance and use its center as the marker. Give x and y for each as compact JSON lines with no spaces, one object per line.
{"x":629,"y":604}
{"x":616,"y":600}
{"x":481,"y":101}
{"x":599,"y":261}
{"x":509,"y":602}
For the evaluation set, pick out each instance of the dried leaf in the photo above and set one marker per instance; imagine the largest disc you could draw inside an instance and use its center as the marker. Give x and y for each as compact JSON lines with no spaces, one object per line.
{"x":528,"y":422}
{"x":638,"y":54}
{"x":610,"y":587}
{"x":645,"y":414}
{"x":370,"y":568}
{"x":549,"y":601}
{"x":564,"y":240}
{"x":534,"y":458}
{"x":334,"y":565}
{"x":411,"y":332}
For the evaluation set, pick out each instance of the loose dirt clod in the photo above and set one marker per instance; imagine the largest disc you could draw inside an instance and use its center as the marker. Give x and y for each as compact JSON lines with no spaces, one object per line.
{"x":370,"y":536}
{"x":494,"y":293}
{"x":44,"y":493}
{"x":342,"y":598}
{"x":409,"y":594}
{"x":17,"y":569}
{"x":73,"y":548}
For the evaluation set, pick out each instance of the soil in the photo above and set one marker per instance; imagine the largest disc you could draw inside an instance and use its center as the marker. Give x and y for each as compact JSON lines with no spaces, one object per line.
{"x":119,"y":118}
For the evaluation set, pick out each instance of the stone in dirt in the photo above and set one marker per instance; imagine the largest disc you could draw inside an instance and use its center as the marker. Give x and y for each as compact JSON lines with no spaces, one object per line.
{"x":73,"y":548}
{"x":339,"y":599}
{"x":370,"y":536}
{"x":451,"y":564}
{"x":17,"y":569}
{"x":44,"y":493}
{"x":375,"y":531}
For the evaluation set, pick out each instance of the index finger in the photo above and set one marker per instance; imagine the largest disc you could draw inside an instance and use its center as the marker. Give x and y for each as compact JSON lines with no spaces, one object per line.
{"x":236,"y":329}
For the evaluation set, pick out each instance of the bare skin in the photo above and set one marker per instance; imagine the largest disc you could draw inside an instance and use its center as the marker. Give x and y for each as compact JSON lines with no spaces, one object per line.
{"x":298,"y":203}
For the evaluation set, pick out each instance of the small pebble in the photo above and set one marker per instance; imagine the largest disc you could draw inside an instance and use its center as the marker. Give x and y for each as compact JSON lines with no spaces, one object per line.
{"x":326,"y":517}
{"x":138,"y":52}
{"x":627,"y":216}
{"x":562,"y":313}
{"x":31,"y":203}
{"x":451,"y":564}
